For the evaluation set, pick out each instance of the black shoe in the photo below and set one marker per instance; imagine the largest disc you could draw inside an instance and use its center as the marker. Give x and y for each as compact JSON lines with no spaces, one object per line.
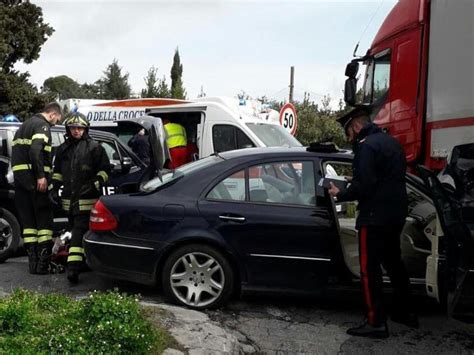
{"x":370,"y":331}
{"x":408,"y":319}
{"x":73,"y":275}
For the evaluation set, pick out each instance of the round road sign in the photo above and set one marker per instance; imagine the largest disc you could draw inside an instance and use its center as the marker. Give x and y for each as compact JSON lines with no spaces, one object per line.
{"x":288,"y":118}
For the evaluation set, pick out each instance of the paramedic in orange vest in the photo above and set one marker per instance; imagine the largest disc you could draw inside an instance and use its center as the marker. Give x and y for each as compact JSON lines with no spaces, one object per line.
{"x":177,"y":142}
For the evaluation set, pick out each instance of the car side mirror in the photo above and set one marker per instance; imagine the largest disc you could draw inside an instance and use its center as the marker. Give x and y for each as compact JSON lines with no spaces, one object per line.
{"x":127,"y":163}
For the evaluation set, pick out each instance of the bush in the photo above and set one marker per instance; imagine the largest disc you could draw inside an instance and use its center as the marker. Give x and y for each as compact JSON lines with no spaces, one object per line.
{"x":111,"y":323}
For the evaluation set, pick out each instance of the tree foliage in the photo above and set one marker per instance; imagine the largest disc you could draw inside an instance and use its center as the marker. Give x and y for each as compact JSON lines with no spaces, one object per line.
{"x":63,"y":87}
{"x":151,"y":83}
{"x":163,"y":89}
{"x":22,"y":33}
{"x":114,"y":85}
{"x":177,"y":89}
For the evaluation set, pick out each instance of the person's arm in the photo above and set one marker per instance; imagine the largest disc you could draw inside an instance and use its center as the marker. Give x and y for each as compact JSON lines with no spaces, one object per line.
{"x":40,"y":143}
{"x":365,"y":177}
{"x":102,"y":176}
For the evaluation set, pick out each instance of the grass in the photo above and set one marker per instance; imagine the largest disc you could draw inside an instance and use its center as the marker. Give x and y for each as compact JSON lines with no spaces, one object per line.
{"x":107,"y":323}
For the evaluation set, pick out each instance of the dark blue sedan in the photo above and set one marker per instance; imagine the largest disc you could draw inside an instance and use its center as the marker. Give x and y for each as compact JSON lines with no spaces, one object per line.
{"x":246,"y":220}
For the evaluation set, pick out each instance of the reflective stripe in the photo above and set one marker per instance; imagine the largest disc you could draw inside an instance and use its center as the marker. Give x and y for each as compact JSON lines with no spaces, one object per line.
{"x":30,"y":240}
{"x":44,"y":238}
{"x":88,"y":202}
{"x":58,"y":176}
{"x":30,"y":231}
{"x":103,"y":175}
{"x":74,"y":258}
{"x":22,"y":141}
{"x":47,"y":148}
{"x":45,"y":232}
{"x":19,"y":167}
{"x":85,"y":207}
{"x":97,"y":185}
{"x":76,"y":250}
{"x":40,"y":136}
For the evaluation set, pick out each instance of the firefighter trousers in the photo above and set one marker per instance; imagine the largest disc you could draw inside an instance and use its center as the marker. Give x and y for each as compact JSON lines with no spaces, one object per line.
{"x":36,"y":217}
{"x":380,"y":245}
{"x":80,"y":225}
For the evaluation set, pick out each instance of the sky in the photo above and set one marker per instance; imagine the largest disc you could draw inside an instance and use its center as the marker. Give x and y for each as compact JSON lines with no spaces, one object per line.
{"x":225,"y":46}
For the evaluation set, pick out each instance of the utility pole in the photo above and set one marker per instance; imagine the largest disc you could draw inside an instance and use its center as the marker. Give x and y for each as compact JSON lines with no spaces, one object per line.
{"x":292,"y":83}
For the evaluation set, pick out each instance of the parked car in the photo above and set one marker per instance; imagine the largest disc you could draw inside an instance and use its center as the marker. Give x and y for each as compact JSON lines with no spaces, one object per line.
{"x":253,"y":219}
{"x":127,"y":169}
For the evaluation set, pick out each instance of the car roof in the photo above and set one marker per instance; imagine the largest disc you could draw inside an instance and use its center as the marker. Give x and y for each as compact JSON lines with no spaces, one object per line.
{"x":13,"y":126}
{"x":279,"y":152}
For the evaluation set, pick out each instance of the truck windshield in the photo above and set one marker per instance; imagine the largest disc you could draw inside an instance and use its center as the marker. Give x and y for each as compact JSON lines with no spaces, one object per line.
{"x":273,"y":135}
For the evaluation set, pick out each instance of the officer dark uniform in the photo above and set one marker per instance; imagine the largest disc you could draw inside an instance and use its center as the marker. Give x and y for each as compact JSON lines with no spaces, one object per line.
{"x":378,"y":184}
{"x":31,"y":165}
{"x":82,"y":168}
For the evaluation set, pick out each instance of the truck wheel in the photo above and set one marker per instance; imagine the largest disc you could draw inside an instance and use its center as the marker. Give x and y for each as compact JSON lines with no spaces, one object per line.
{"x":197,"y":276}
{"x":10,"y":234}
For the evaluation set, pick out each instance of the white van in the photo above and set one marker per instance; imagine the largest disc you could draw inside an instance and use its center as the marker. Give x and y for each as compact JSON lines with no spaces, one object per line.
{"x":213,"y":124}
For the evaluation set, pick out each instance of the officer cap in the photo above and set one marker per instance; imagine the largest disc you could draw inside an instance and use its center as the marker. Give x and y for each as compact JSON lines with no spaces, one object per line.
{"x":356,"y":112}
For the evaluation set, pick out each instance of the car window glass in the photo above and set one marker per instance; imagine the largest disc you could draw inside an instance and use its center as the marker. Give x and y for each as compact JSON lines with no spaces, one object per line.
{"x":231,"y":188}
{"x":111,"y":151}
{"x":3,"y":143}
{"x":223,"y":137}
{"x":242,"y":140}
{"x":283,"y":183}
{"x":56,"y":139}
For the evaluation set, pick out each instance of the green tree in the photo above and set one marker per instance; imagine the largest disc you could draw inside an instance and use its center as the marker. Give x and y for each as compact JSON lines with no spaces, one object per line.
{"x":152,"y":82}
{"x":177,"y":89}
{"x":163,"y":89}
{"x":22,"y":34}
{"x":114,"y":85}
{"x":63,"y":87}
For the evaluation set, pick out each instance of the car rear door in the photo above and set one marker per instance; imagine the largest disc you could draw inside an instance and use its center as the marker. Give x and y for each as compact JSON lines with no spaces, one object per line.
{"x":267,"y":213}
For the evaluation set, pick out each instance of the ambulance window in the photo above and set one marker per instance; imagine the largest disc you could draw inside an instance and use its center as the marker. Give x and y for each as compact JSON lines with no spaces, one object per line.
{"x":227,"y":137}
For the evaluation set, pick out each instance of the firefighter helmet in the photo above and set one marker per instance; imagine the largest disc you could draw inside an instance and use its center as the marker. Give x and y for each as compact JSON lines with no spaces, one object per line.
{"x":77,"y":120}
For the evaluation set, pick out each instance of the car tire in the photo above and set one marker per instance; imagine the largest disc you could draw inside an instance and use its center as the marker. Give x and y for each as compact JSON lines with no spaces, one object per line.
{"x":206,"y":282}
{"x":10,"y":230}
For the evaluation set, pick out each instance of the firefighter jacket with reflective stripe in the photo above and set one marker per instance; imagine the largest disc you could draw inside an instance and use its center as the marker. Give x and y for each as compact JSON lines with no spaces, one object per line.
{"x":31,"y":152}
{"x":175,"y":135}
{"x":82,"y":167}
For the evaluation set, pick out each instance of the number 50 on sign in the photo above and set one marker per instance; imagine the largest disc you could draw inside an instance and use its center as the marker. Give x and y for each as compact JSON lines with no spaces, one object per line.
{"x":288,"y":118}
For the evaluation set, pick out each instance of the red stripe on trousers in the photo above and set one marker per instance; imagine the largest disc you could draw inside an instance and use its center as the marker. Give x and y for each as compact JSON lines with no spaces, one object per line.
{"x":364,"y":278}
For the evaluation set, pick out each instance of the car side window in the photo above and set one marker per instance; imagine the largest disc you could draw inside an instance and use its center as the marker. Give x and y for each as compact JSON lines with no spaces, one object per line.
{"x":231,"y":188}
{"x":3,"y":143}
{"x":111,"y":151}
{"x":290,"y":183}
{"x":228,"y":137}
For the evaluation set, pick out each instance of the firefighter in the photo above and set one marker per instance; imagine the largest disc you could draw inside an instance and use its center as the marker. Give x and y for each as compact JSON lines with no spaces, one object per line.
{"x":177,"y":143}
{"x":378,"y":184}
{"x":31,"y":166}
{"x":82,"y":168}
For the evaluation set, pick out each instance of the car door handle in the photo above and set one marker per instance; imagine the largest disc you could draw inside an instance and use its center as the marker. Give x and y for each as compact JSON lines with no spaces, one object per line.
{"x":232,"y":218}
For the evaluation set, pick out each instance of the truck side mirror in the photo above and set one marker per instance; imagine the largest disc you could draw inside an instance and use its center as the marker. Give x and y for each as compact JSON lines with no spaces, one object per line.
{"x":350,"y":89}
{"x":352,"y":69}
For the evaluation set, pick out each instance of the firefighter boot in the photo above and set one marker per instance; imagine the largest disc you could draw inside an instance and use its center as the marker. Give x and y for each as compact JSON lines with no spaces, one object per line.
{"x":44,"y":259}
{"x":32,"y":251}
{"x":73,"y":272}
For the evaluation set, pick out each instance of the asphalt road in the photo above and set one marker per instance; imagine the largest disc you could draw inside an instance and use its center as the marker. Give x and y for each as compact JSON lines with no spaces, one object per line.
{"x":283,"y":324}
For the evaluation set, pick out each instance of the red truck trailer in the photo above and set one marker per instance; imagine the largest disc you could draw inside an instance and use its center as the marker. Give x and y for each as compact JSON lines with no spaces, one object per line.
{"x":419,"y":79}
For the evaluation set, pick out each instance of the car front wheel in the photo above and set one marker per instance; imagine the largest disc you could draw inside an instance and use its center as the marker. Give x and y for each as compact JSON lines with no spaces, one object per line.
{"x":10,"y":234}
{"x":197,"y":276}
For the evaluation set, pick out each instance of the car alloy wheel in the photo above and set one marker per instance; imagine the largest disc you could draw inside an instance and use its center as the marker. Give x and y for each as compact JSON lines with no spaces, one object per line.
{"x":198,"y":276}
{"x":9,"y":234}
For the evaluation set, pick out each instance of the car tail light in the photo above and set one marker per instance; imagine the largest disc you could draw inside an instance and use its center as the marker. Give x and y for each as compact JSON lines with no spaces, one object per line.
{"x":101,"y":219}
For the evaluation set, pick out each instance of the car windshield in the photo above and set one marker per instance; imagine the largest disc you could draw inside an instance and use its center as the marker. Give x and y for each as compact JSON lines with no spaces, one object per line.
{"x":172,"y":175}
{"x":273,"y":135}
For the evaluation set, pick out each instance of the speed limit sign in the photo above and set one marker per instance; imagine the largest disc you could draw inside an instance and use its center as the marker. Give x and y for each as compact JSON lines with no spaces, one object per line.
{"x":288,"y":118}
